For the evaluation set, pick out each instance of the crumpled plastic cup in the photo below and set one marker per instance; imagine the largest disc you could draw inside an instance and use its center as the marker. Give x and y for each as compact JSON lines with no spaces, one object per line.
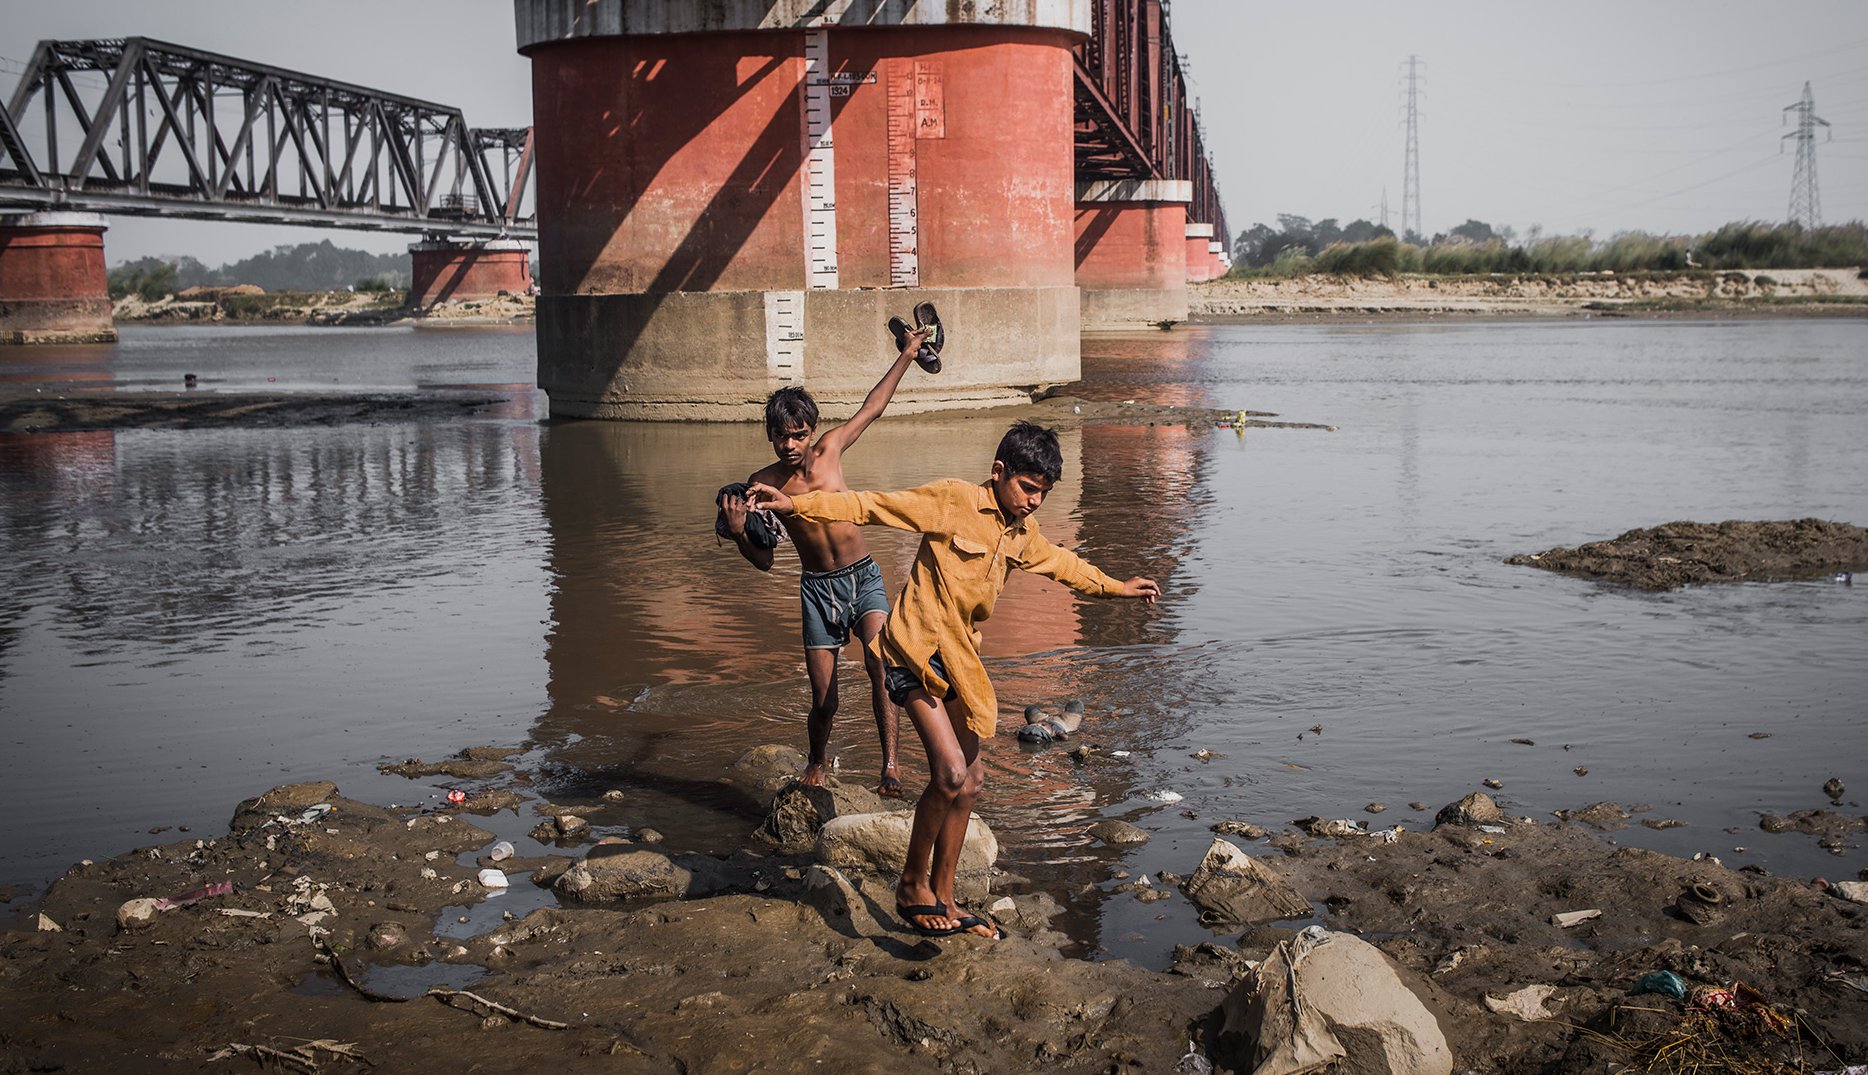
{"x":492,"y":878}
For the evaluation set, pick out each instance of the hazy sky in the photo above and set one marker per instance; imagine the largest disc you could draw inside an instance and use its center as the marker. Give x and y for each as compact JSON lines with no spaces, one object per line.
{"x":1660,"y":115}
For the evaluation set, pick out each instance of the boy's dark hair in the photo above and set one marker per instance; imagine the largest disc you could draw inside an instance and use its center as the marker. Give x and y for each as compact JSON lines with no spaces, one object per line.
{"x":1028,"y":448}
{"x":789,"y":407}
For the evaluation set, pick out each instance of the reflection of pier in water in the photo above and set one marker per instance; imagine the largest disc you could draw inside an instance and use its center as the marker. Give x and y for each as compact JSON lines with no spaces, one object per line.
{"x":669,"y":656}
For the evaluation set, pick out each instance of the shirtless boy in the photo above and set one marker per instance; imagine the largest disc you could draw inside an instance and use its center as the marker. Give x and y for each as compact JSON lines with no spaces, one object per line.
{"x":840,"y":587}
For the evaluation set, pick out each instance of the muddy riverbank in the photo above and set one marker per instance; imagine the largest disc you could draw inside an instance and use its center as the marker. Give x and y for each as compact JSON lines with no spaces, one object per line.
{"x":321,"y":932}
{"x":245,"y":304}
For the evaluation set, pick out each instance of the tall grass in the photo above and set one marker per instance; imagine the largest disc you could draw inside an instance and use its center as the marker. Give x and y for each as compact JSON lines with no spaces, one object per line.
{"x":1739,"y":245}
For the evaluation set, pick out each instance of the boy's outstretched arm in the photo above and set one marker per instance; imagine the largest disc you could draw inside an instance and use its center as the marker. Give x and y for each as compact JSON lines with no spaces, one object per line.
{"x":876,"y":401}
{"x":1044,"y":558}
{"x":925,"y":509}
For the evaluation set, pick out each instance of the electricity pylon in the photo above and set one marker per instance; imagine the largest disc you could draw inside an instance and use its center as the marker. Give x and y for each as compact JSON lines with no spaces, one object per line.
{"x":1410,"y":180}
{"x":1806,"y":203}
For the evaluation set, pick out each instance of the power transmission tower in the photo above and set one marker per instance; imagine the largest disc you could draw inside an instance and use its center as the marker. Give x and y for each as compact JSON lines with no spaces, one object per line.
{"x":1410,"y":182}
{"x":1806,"y":204}
{"x":1384,"y":206}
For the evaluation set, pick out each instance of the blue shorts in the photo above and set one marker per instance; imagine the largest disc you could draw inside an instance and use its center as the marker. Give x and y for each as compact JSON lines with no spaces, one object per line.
{"x":899,"y":681}
{"x":834,"y":602}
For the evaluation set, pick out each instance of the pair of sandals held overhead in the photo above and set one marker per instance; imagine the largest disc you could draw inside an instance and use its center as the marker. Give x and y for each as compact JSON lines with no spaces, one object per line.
{"x":929,"y":355}
{"x":909,"y":912}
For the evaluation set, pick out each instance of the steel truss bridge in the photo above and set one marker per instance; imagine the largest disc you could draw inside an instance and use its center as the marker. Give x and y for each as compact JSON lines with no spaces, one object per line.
{"x":178,"y":132}
{"x":1134,"y":116}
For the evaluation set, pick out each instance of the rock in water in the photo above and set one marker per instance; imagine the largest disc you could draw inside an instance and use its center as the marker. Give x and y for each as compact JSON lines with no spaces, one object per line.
{"x":1232,"y":887}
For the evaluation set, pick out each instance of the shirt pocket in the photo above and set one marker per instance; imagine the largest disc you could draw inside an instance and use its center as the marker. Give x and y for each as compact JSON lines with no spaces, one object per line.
{"x":972,"y":560}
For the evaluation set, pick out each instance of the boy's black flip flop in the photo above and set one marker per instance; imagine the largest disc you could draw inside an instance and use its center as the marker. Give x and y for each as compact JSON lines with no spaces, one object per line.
{"x":925,"y":317}
{"x":908,"y":912}
{"x":899,"y":329}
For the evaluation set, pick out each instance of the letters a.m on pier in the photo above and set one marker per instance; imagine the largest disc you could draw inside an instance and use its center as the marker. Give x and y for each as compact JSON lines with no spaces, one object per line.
{"x":735,"y":196}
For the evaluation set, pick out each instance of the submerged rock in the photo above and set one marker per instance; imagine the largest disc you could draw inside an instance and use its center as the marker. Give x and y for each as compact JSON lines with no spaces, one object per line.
{"x":1233,"y":888}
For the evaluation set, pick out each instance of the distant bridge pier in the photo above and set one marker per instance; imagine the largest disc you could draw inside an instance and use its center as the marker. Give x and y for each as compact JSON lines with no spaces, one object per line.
{"x":1202,"y":264}
{"x":1132,"y":251}
{"x":447,"y":270}
{"x":735,"y":196}
{"x":53,"y":288}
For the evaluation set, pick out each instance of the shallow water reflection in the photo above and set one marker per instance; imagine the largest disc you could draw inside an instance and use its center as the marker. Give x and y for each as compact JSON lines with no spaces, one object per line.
{"x":188,"y":618}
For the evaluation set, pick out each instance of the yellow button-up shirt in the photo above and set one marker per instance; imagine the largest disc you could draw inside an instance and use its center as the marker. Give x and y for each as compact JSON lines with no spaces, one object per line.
{"x":968,"y":548}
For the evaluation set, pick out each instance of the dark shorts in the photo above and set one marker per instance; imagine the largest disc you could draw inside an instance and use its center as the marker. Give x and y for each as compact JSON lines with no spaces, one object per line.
{"x":834,"y":602}
{"x":899,"y":681}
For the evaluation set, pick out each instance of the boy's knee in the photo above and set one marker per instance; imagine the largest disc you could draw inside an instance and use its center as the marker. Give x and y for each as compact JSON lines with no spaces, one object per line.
{"x":953,"y":781}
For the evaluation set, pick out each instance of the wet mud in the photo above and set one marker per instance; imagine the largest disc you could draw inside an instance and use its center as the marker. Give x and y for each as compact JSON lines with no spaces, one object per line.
{"x":322,"y":933}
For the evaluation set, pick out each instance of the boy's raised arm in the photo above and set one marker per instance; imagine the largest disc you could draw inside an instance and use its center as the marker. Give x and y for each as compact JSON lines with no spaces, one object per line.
{"x":876,"y":401}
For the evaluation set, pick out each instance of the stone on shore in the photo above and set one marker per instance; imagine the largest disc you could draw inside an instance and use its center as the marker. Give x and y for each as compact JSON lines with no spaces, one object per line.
{"x":1230,"y":887}
{"x":764,"y":769}
{"x":1477,"y":808}
{"x":799,"y":812}
{"x":617,"y":872}
{"x":877,"y":844}
{"x":1332,"y":1001}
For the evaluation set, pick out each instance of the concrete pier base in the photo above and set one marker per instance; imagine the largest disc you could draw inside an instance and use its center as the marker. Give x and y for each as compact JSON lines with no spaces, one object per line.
{"x":1200,"y":262}
{"x":717,"y":355}
{"x":449,"y":271}
{"x":1131,"y":252}
{"x":53,"y":288}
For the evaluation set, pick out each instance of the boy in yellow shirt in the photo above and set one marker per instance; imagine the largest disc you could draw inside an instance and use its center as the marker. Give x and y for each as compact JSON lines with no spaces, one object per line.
{"x":972,"y":536}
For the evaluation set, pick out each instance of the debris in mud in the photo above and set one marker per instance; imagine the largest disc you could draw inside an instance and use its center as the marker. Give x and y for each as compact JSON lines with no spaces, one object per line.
{"x":812,"y":964}
{"x":1688,"y":553}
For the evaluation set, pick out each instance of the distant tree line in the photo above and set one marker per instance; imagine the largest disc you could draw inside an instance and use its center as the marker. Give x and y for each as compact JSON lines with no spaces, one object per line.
{"x":1298,"y":246}
{"x":320,"y":266}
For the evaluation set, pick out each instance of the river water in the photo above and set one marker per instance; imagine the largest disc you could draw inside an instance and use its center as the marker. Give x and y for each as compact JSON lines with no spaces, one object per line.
{"x":188,"y":618}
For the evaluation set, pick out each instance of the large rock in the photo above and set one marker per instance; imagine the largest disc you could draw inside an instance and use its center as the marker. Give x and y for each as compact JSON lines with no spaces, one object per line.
{"x":1475,"y":809}
{"x":877,"y":843}
{"x":612,"y":874}
{"x":764,"y":769}
{"x":798,"y":813}
{"x":1232,"y":888}
{"x":1331,"y":1001}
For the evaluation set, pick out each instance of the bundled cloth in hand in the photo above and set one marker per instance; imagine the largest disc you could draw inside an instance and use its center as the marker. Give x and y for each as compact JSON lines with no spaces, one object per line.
{"x":763,"y":526}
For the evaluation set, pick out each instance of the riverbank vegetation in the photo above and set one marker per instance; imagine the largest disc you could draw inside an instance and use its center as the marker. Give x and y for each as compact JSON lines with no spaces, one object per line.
{"x":320,"y":266}
{"x":1299,"y":247}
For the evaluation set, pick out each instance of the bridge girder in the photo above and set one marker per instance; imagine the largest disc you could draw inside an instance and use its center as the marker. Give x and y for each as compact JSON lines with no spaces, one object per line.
{"x":176,"y":131}
{"x":1135,"y":118}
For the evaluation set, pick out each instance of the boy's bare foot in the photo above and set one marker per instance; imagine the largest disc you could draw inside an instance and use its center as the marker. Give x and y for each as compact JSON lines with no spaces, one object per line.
{"x":890,"y":786}
{"x":977,"y":925}
{"x":813,"y":775}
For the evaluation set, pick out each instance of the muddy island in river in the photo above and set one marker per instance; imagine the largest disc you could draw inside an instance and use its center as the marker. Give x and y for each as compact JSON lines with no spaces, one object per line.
{"x":1687,"y":553}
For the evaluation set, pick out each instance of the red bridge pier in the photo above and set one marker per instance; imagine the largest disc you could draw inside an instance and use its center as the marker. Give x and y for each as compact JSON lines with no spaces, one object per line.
{"x":53,"y":288}
{"x":736,"y":196}
{"x":452,"y":271}
{"x":1132,"y":251}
